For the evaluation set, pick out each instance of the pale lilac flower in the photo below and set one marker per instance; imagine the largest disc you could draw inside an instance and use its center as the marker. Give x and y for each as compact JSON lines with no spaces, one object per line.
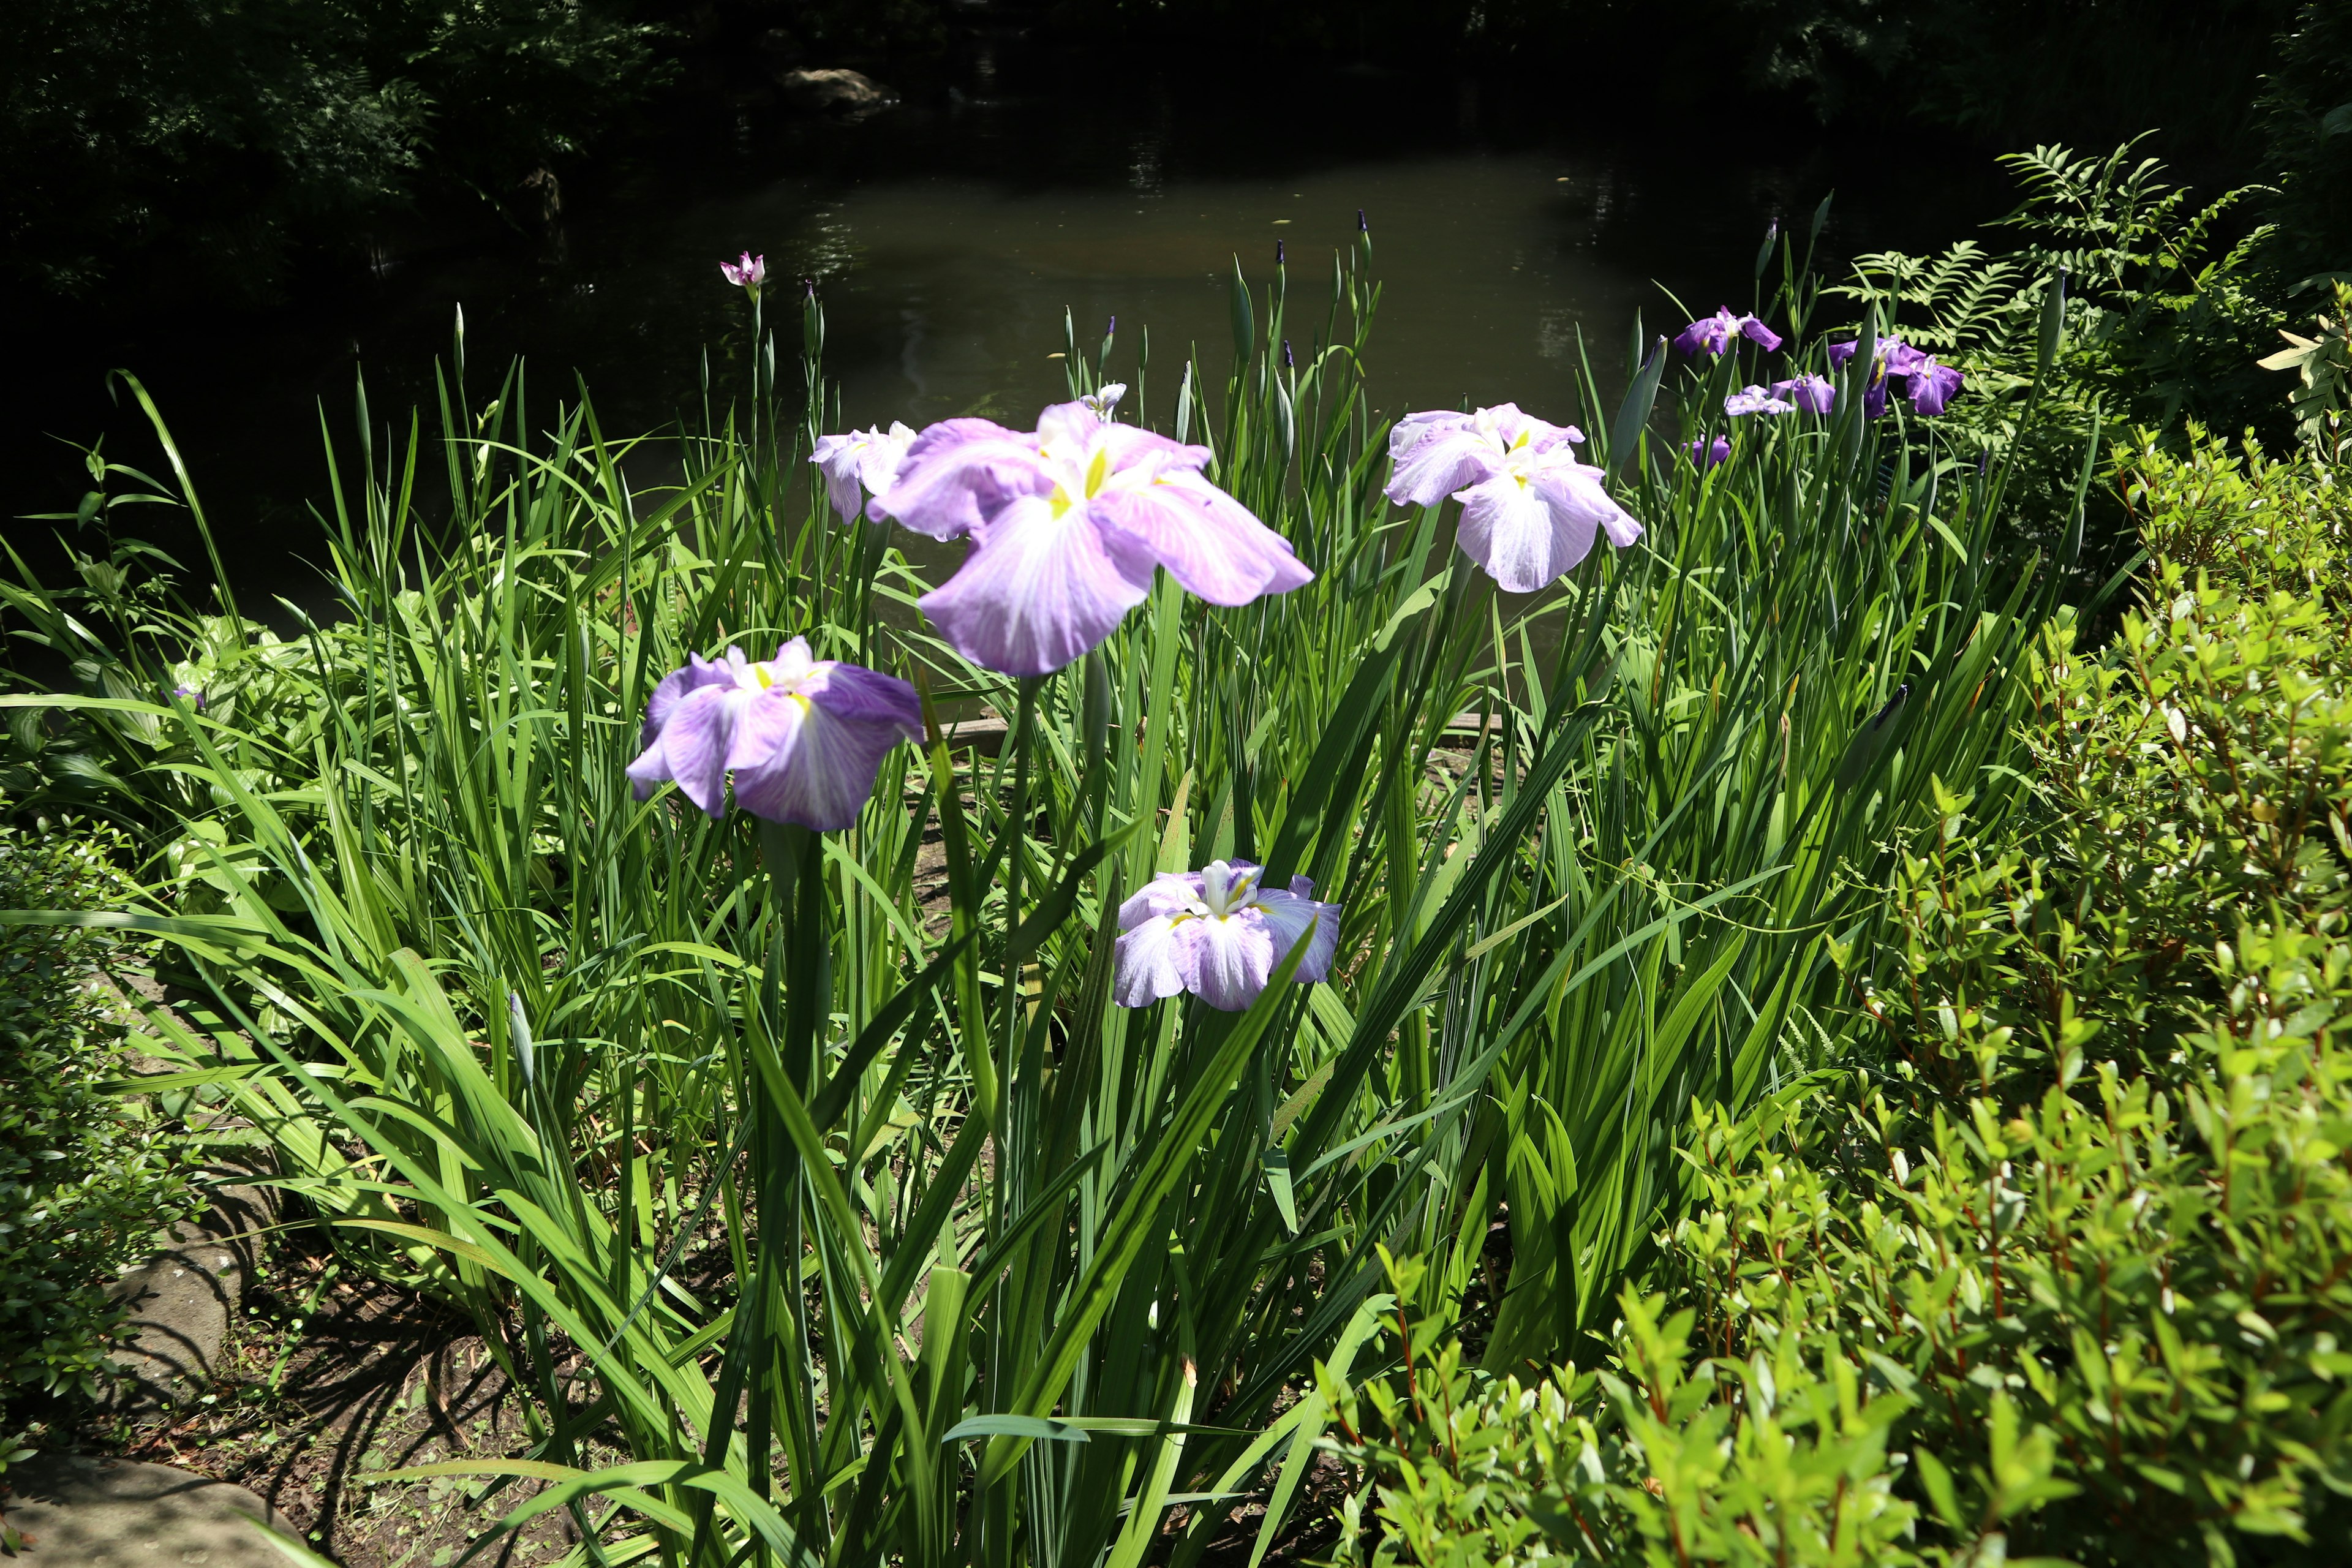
{"x":1217,"y":933}
{"x":869,"y":457}
{"x":1716,"y":333}
{"x":1814,"y":394}
{"x":1708,"y":454}
{"x":1530,"y":511}
{"x":747,"y":274}
{"x":1067,"y":522}
{"x":1755,"y":400}
{"x":805,"y":737}
{"x":1104,"y":401}
{"x":1930,"y":386}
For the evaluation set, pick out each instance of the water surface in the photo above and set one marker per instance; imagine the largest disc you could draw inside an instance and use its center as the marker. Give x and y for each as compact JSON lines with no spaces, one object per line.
{"x":947,"y":237}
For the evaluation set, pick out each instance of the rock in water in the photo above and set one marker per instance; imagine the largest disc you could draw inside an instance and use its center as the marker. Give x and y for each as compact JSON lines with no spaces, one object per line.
{"x":75,"y":1511}
{"x":843,"y":92}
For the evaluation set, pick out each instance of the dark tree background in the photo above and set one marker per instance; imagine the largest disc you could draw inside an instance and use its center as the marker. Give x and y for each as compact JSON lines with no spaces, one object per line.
{"x":208,"y":148}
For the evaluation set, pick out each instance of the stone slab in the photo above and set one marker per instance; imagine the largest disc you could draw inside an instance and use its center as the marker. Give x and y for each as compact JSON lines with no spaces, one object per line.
{"x":182,"y":1301}
{"x":79,"y":1511}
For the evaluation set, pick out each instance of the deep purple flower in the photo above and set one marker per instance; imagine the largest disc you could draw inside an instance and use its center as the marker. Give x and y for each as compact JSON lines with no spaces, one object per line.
{"x":1067,"y":522}
{"x":805,"y":737}
{"x":1931,"y":386}
{"x":193,"y":696}
{"x":1708,"y":454}
{"x":1755,"y":400}
{"x":1814,"y":394}
{"x":869,"y":457}
{"x":1217,"y":933}
{"x":1530,"y":511}
{"x":1714,"y":333}
{"x":1894,"y":357}
{"x":747,"y":274}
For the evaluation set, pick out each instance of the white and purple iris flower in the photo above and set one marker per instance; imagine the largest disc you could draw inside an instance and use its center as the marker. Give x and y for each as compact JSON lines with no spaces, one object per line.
{"x":1755,"y":400}
{"x":802,"y":736}
{"x":1814,"y":394}
{"x":1530,"y":511}
{"x":1218,"y":934}
{"x":747,"y":274}
{"x":1715,"y":335}
{"x":868,"y":458}
{"x":1067,"y":522}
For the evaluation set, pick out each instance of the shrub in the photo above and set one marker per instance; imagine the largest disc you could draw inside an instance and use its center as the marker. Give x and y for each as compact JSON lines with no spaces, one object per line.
{"x":2089,"y":1214}
{"x":84,"y":1184}
{"x":1781,"y":1457}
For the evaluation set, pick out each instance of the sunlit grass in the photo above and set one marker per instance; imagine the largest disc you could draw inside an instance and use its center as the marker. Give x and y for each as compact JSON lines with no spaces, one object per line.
{"x":985,"y":1268}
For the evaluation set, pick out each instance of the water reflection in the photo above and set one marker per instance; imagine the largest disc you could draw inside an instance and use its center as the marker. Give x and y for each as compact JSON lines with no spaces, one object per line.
{"x":949,"y":235}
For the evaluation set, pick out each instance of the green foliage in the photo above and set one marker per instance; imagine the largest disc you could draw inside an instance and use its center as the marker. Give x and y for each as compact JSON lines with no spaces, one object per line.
{"x":2307,"y":120}
{"x":2016,"y":69}
{"x":2083,"y":1201}
{"x":2159,"y":316}
{"x":681,"y":1110}
{"x":1785,"y":1456}
{"x":85,"y":1181}
{"x":2157,"y":320}
{"x":202,"y":138}
{"x":2105,"y":1172}
{"x":2323,"y":364}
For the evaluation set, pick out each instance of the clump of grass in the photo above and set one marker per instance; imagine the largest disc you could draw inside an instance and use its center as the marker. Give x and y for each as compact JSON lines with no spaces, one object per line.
{"x":866,"y":1233}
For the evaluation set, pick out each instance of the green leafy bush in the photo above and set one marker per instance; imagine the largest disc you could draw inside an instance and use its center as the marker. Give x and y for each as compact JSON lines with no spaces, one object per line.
{"x":2088,"y":1217}
{"x":84,"y":1184}
{"x":1785,"y":1456}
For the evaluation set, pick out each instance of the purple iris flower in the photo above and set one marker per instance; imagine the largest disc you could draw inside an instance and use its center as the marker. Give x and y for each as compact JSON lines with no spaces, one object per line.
{"x":1931,"y":386}
{"x":1218,"y":934}
{"x":1104,"y":401}
{"x":193,"y":696}
{"x":1814,"y":394}
{"x":1714,"y":333}
{"x":1067,"y":522}
{"x":747,"y":274}
{"x":1708,"y":454}
{"x":1755,"y":400}
{"x":1530,"y":511}
{"x":805,"y":737}
{"x":1895,"y":357}
{"x":869,"y":457}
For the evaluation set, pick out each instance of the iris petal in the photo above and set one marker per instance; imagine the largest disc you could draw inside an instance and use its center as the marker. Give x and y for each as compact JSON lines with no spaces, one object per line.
{"x":1144,"y":962}
{"x":1169,"y":893}
{"x":1225,"y":962}
{"x":1038,"y":590}
{"x":1209,"y":541}
{"x":959,"y":474}
{"x":692,"y":750}
{"x":821,"y":767}
{"x":1288,"y":918}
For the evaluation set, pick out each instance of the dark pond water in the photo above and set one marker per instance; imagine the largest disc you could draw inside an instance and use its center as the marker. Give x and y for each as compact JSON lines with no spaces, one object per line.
{"x":948,"y":236}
